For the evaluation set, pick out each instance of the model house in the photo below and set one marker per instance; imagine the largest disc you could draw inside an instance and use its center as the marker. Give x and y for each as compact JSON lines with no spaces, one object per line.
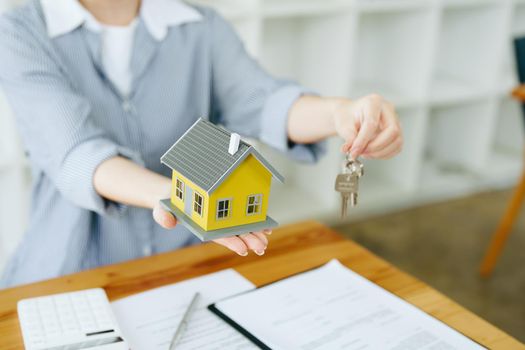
{"x":221,"y":184}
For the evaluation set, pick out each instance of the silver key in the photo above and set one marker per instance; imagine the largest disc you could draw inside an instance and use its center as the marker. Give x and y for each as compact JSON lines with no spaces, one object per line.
{"x":347,"y":183}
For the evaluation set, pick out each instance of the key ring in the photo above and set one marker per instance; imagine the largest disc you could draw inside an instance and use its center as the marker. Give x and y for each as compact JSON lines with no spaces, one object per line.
{"x":354,"y":165}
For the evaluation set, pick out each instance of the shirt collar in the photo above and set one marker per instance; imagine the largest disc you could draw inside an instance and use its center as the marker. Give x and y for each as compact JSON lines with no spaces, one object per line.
{"x":64,"y":16}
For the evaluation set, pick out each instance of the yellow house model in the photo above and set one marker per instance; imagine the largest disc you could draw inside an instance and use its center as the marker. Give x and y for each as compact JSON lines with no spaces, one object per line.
{"x":221,"y":184}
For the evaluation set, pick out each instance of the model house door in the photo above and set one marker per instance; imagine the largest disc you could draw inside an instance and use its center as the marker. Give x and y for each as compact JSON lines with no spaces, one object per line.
{"x":188,"y":203}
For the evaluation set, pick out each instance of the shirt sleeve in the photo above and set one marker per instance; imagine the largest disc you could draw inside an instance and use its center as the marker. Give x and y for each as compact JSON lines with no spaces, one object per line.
{"x":54,"y":121}
{"x":246,"y":99}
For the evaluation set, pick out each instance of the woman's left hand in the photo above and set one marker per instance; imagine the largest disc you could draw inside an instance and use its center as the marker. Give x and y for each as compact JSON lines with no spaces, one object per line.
{"x":370,"y":127}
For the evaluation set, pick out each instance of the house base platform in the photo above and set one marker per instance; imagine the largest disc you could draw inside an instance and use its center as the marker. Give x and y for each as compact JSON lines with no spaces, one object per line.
{"x":215,"y":234}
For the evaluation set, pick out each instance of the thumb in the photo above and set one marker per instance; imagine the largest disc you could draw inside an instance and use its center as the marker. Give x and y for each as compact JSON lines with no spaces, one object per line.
{"x":370,"y":117}
{"x":164,"y":218}
{"x":349,"y":136}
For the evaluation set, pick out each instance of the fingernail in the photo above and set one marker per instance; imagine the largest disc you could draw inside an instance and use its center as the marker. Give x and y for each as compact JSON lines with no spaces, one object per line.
{"x":243,"y":253}
{"x":259,"y":252}
{"x":267,"y":231}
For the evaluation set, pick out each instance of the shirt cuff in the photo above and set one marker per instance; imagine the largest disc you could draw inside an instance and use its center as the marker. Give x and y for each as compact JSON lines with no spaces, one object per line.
{"x":274,"y":128}
{"x":79,"y":169}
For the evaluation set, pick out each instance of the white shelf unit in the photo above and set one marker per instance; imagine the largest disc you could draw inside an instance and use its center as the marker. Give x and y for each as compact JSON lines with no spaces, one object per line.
{"x":447,"y":64}
{"x":438,"y":61}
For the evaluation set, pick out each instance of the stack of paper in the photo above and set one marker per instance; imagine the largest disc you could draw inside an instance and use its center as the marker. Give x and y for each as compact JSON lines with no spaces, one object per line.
{"x":148,"y":320}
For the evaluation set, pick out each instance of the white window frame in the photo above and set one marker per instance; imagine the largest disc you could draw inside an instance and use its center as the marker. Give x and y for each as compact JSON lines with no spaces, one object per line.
{"x":257,"y":204}
{"x":182,"y":189}
{"x":224,"y":210}
{"x":196,"y":204}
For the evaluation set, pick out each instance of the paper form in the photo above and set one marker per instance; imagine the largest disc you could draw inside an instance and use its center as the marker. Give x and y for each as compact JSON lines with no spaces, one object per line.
{"x":334,"y":308}
{"x":148,"y":320}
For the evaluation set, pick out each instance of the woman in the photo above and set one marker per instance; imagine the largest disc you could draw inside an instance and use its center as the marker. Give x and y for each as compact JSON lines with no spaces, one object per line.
{"x":101,"y":89}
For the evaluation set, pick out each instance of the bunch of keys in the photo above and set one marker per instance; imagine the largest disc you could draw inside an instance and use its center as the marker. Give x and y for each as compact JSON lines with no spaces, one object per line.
{"x":347,"y":183}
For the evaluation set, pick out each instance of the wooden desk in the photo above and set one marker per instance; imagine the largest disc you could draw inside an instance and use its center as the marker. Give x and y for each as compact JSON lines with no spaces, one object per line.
{"x":292,"y":249}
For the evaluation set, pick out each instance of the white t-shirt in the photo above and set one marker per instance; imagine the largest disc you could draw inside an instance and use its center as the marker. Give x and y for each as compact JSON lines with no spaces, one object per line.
{"x":117,"y":45}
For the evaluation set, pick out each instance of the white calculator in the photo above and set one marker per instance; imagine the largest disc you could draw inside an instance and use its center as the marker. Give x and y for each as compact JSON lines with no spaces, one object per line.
{"x":77,"y":320}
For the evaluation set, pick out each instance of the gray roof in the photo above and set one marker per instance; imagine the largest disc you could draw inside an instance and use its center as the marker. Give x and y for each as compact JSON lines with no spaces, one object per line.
{"x":201,"y":155}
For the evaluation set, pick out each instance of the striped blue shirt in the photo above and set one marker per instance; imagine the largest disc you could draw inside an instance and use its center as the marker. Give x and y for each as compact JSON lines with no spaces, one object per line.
{"x":71,"y":118}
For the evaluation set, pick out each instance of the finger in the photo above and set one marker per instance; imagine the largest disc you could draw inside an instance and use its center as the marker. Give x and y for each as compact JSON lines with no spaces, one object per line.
{"x":391,"y":155}
{"x":391,"y":129}
{"x":382,"y":154}
{"x":164,"y":218}
{"x":348,"y":133}
{"x":391,"y":148}
{"x":385,"y":138}
{"x":267,"y":231}
{"x":254,"y":243}
{"x":262,"y":236}
{"x":369,"y":126}
{"x":234,"y":244}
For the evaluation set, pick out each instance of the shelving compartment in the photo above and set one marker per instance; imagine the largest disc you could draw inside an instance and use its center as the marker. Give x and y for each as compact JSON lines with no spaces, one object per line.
{"x":509,"y":77}
{"x":393,"y":54}
{"x":518,"y":19}
{"x":458,"y":148}
{"x":469,"y":51}
{"x":310,"y":49}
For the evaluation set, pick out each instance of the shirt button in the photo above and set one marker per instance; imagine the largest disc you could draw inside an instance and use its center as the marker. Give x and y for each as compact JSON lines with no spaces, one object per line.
{"x":147,"y":250}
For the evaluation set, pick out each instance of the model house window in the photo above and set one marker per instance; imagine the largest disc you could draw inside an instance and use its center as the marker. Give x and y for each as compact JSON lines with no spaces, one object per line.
{"x":179,"y":189}
{"x":197,"y":203}
{"x":254,"y":204}
{"x":223,"y":208}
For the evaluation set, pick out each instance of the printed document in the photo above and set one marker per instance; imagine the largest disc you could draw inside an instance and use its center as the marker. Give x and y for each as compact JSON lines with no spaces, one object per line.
{"x":334,"y":308}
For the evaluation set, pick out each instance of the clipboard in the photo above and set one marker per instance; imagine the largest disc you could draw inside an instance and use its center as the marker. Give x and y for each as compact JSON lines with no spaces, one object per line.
{"x":213,"y":308}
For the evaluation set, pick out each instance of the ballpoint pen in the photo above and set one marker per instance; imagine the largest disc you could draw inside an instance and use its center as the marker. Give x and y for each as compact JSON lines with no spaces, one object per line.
{"x":184,"y":322}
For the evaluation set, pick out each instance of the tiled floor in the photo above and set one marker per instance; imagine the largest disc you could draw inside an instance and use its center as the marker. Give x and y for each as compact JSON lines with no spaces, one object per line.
{"x":442,"y":244}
